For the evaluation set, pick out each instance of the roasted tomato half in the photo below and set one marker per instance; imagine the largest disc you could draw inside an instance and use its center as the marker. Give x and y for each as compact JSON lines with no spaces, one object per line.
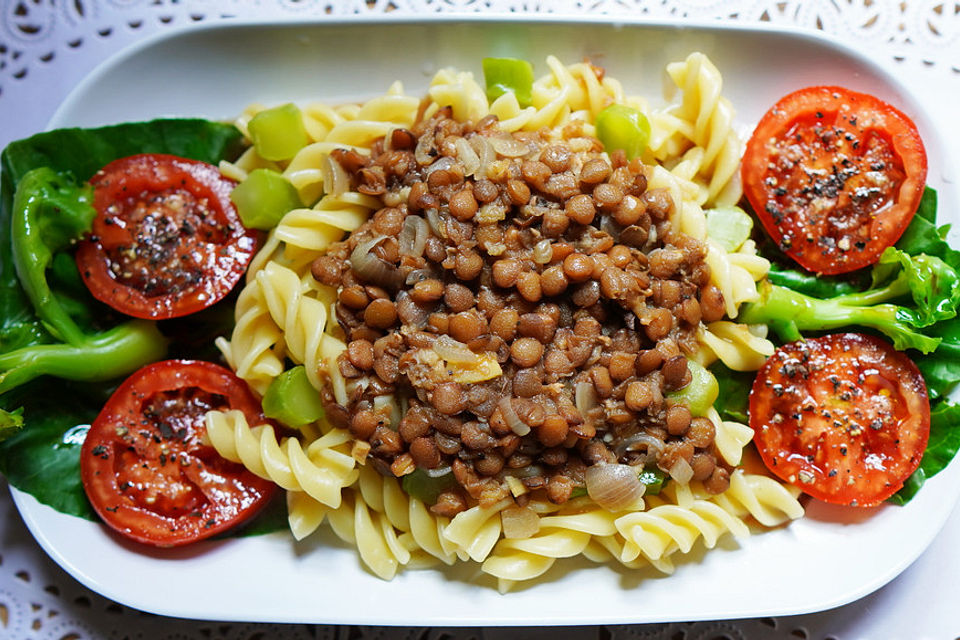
{"x":835,"y":177}
{"x":167,"y":240}
{"x":845,"y":417}
{"x":147,"y":468}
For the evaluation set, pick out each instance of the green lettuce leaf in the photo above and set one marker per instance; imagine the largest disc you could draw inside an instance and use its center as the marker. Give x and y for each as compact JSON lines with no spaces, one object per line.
{"x":942,"y":447}
{"x":42,"y":458}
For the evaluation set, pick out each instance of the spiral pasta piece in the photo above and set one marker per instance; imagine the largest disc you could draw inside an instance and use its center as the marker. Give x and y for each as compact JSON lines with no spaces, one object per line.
{"x":321,"y":470}
{"x":761,"y":497}
{"x":284,"y":315}
{"x":703,"y":105}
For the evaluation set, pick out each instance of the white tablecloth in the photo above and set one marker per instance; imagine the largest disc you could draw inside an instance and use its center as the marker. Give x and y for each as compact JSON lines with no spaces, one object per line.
{"x":46,"y":48}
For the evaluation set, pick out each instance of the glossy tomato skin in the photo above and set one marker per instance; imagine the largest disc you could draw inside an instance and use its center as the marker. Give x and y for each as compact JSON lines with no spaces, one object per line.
{"x":834,"y":176}
{"x":167,"y":241}
{"x":145,"y":463}
{"x":844,"y":417}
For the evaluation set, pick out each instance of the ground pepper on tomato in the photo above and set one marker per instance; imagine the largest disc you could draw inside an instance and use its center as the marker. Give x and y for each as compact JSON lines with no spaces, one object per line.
{"x":147,"y":467}
{"x":167,"y":240}
{"x":844,"y":417}
{"x":835,"y":177}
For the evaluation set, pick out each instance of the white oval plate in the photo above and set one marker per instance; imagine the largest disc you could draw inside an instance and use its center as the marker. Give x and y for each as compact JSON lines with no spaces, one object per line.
{"x":828,"y":558}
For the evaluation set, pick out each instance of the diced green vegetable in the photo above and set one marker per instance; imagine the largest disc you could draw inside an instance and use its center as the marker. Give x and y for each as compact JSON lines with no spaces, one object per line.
{"x":622,"y":127}
{"x":263,"y":198}
{"x":292,"y":400}
{"x":729,"y":226}
{"x":654,"y":480}
{"x":509,"y":75}
{"x":278,"y":133}
{"x":734,"y":397}
{"x":702,"y":391}
{"x":425,"y":487}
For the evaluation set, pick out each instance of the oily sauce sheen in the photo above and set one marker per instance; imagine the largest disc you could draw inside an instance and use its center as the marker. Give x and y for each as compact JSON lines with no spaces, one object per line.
{"x":844,"y":417}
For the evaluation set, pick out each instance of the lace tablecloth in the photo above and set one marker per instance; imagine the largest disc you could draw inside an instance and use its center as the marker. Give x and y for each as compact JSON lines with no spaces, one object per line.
{"x":47,"y":47}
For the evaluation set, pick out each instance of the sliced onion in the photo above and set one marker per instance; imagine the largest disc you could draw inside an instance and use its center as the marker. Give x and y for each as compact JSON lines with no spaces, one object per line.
{"x":418,"y":275}
{"x":443,"y":162}
{"x":467,"y":156}
{"x":435,"y":222}
{"x":411,"y":313}
{"x":585,"y":398}
{"x":425,"y":152}
{"x":508,"y":146}
{"x":614,"y":487}
{"x":484,"y":151}
{"x":439,"y":472}
{"x":454,"y":351}
{"x":372,"y":269}
{"x":387,"y":405}
{"x":519,"y":522}
{"x":681,"y":471}
{"x":413,"y":236}
{"x":643,"y":440}
{"x":334,"y":176}
{"x":510,"y":416}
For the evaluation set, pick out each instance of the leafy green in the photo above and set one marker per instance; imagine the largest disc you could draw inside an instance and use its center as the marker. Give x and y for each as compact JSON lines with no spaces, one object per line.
{"x":941,"y":448}
{"x":790,"y":312}
{"x":42,"y":457}
{"x":734,"y":398}
{"x":912,"y":295}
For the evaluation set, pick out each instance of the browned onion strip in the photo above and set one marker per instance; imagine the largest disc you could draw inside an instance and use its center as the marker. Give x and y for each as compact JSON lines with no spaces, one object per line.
{"x":371,"y":268}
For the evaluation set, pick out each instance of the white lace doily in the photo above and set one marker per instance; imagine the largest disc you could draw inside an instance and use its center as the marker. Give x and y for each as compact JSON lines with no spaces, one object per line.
{"x":47,"y":46}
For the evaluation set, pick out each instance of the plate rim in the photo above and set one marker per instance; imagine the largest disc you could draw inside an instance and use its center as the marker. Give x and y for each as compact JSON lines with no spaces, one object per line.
{"x":22,"y":499}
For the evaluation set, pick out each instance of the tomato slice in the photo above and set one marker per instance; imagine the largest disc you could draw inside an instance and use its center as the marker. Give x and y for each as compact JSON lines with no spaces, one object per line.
{"x":147,"y":468}
{"x":835,"y":177}
{"x":844,"y":417}
{"x":167,"y":240}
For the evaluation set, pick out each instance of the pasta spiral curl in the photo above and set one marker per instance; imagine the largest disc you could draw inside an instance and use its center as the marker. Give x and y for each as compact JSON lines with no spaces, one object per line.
{"x":321,"y":470}
{"x":283,"y":314}
{"x":709,"y":117}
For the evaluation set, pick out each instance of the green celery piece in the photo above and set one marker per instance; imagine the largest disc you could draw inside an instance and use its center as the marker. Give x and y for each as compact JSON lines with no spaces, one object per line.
{"x":729,"y":226}
{"x":779,"y":306}
{"x":426,"y":488}
{"x":292,"y":400}
{"x":701,"y":393}
{"x":622,"y":127}
{"x":508,"y":75}
{"x":278,"y":133}
{"x":263,"y":198}
{"x":654,"y":479}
